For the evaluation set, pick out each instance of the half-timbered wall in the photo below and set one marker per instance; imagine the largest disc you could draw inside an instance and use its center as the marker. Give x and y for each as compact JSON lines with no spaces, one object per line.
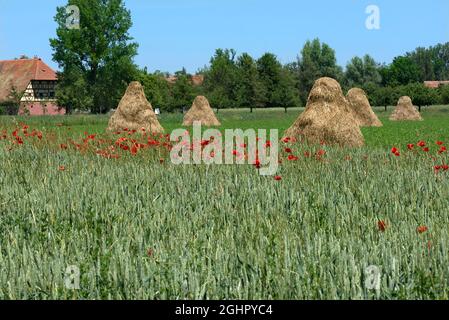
{"x":39,"y":91}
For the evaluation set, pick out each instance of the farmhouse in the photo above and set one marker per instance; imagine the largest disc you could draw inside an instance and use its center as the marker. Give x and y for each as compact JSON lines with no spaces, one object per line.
{"x":27,"y":86}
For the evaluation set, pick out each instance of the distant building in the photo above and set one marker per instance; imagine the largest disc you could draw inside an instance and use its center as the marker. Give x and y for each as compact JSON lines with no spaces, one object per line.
{"x":435,"y":84}
{"x":196,"y":80}
{"x":33,"y":83}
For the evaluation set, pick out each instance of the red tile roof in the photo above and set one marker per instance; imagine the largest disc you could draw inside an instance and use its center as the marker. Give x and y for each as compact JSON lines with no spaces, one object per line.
{"x":435,"y":84}
{"x":196,"y":80}
{"x":18,"y":73}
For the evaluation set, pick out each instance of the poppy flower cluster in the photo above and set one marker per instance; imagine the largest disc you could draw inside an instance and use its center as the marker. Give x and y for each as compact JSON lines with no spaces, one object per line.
{"x":21,"y":134}
{"x":425,"y":148}
{"x":443,"y":167}
{"x":382,"y":227}
{"x":395,"y":151}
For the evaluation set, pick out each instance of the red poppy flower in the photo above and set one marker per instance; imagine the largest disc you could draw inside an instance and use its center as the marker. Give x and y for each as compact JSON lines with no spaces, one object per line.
{"x":442,"y":150}
{"x":320,"y":153}
{"x":61,"y":168}
{"x":63,"y":146}
{"x":278,"y":178}
{"x":426,"y":149}
{"x":382,"y":225}
{"x":394,"y":150}
{"x":422,"y":229}
{"x":134,"y":149}
{"x":288,"y":150}
{"x":421,"y":144}
{"x":440,"y":143}
{"x":410,"y":146}
{"x":292,"y":158}
{"x":286,"y":140}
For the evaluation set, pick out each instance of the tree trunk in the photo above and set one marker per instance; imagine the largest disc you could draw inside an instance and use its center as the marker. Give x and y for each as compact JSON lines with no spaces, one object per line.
{"x":385,"y":108}
{"x":251,"y":109}
{"x":419,"y":108}
{"x":285,"y":109}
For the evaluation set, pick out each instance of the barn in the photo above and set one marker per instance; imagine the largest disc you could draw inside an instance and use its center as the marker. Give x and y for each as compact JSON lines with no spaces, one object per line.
{"x":27,"y":87}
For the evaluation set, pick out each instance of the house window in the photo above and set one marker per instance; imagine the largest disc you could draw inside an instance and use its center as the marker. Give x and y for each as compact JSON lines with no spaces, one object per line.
{"x":52,"y":94}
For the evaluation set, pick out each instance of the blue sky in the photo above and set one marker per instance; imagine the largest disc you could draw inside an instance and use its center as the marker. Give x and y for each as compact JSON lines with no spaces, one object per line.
{"x":185,"y":33}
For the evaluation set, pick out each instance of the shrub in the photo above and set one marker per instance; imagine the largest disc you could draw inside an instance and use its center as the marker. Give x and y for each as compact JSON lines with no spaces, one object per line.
{"x":444,"y":94}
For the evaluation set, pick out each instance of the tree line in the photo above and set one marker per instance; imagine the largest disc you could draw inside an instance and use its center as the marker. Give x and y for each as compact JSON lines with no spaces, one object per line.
{"x":97,"y":63}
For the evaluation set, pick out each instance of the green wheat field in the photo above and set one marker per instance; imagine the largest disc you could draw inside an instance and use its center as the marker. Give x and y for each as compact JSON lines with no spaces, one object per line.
{"x":139,"y":227}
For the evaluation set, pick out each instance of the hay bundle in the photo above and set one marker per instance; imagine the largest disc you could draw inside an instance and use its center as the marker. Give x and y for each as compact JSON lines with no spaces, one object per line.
{"x":405,"y":111}
{"x":135,"y":112}
{"x":361,"y":108}
{"x":201,"y":111}
{"x":327,"y":117}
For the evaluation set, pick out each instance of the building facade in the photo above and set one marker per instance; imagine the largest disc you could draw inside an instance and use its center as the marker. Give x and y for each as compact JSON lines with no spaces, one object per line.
{"x":30,"y":84}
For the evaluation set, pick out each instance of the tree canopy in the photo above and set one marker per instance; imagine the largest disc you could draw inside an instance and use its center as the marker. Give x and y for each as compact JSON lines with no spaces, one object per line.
{"x":97,"y":59}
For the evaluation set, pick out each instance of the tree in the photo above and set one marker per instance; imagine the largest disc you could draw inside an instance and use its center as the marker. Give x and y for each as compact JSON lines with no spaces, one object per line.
{"x":316,"y":60}
{"x":361,"y":72}
{"x":12,"y":104}
{"x":432,"y":62}
{"x":444,"y":94}
{"x":420,"y":94}
{"x":440,"y":57}
{"x":157,"y":89}
{"x":381,"y":96}
{"x":250,"y":90}
{"x":278,"y":83}
{"x":220,"y":79}
{"x":402,"y":71}
{"x":286,"y":95}
{"x":270,"y":74}
{"x":423,"y":59}
{"x":96,"y":59}
{"x":183,"y":92}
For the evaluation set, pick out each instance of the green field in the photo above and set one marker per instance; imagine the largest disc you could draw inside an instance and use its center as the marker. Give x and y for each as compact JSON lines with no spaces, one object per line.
{"x":141,"y":229}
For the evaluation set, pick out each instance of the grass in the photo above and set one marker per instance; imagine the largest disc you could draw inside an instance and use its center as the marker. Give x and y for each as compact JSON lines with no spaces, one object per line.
{"x":139,"y":229}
